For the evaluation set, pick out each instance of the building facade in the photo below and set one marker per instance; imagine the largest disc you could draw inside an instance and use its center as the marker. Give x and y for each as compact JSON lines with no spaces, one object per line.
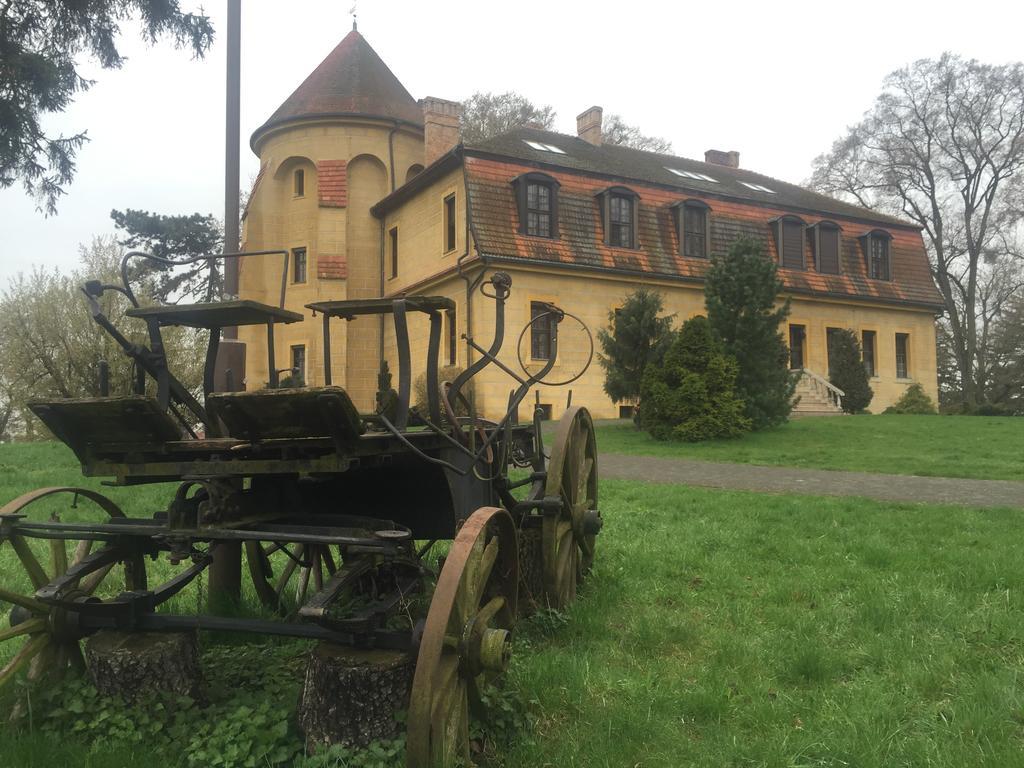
{"x":373,"y":194}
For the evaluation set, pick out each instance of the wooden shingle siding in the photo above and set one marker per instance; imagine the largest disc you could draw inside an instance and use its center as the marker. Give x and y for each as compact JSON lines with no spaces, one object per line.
{"x":496,"y":225}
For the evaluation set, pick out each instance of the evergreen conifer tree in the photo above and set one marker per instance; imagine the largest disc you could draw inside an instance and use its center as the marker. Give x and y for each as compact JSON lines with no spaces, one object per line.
{"x":846,"y":370}
{"x":740,"y":291}
{"x":636,"y":337}
{"x":691,"y":395}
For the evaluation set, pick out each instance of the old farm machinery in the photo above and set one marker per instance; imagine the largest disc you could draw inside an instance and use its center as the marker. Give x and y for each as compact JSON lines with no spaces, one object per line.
{"x":339,"y":513}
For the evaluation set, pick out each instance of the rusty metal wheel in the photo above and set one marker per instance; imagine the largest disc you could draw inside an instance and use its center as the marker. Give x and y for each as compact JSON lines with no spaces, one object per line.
{"x":298,"y":567}
{"x":50,"y":644}
{"x":569,"y":538}
{"x":466,"y":640}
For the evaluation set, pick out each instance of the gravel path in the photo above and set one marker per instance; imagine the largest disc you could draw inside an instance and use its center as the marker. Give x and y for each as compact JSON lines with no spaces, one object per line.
{"x":815,"y":482}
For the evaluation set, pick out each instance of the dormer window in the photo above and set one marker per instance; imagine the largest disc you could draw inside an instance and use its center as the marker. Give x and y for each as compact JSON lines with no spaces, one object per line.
{"x":789,"y":241}
{"x":537,"y":201}
{"x":619,"y":216}
{"x":299,"y":179}
{"x":827,"y":238}
{"x":693,"y":225}
{"x":877,"y":260}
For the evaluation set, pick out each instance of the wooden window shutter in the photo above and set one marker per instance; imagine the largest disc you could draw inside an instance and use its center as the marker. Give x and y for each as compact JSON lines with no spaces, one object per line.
{"x":828,"y":249}
{"x":519,"y":185}
{"x":792,"y":244}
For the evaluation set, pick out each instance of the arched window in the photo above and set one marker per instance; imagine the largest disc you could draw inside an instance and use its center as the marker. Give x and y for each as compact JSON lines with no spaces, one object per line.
{"x":693,"y":225}
{"x":619,"y":209}
{"x":537,"y":203}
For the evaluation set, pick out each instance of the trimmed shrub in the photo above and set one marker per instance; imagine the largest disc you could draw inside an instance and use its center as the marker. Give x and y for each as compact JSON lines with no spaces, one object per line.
{"x":846,"y":370}
{"x":691,"y":395}
{"x":914,"y":400}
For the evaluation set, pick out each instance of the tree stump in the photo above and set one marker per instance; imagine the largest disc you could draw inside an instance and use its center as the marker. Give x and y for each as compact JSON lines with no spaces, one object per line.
{"x":531,"y":571}
{"x":137,"y":665}
{"x":351,"y":695}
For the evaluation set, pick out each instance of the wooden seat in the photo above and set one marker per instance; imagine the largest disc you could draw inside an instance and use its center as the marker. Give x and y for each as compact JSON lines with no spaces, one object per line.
{"x":113,"y":424}
{"x":219,"y":314}
{"x":352,"y":308}
{"x":270,"y":414}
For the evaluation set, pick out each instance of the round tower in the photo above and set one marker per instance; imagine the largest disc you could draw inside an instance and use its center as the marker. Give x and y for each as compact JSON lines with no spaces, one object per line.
{"x":348,"y":136}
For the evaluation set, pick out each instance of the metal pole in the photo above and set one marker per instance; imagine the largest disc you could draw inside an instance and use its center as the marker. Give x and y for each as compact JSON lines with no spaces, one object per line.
{"x":231,"y":148}
{"x":226,"y":569}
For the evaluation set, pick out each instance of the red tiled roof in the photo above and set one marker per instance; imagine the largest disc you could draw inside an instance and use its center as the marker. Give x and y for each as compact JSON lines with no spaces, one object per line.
{"x":352,"y":80}
{"x":495,"y":223}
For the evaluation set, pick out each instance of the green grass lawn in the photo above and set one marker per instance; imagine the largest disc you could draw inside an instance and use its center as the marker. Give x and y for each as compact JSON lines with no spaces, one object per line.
{"x":732,"y":629}
{"x":950,"y":446}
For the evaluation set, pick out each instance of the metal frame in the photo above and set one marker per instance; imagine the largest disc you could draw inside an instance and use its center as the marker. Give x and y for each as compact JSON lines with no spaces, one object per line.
{"x":464,"y":457}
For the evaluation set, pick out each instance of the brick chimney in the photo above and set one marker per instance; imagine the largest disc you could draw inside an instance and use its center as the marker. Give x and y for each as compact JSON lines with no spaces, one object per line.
{"x":588,"y":125}
{"x":440,"y":126}
{"x":718,"y":157}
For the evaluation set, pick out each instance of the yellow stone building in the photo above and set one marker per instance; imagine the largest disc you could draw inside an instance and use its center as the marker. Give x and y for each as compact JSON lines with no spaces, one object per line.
{"x":372,"y":194}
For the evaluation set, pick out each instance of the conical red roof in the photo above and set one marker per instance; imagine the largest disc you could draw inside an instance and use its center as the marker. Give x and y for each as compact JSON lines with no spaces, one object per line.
{"x":352,"y":80}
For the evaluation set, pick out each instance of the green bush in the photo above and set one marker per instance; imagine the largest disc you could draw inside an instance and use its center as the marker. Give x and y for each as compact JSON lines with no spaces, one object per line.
{"x":993,"y":409}
{"x":914,"y":400}
{"x":691,"y":395}
{"x":846,"y":370}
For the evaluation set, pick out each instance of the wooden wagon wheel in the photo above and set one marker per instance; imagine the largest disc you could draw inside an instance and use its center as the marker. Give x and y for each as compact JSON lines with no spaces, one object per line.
{"x":466,"y":639}
{"x":297,"y":568}
{"x":568,"y":539}
{"x":50,"y":646}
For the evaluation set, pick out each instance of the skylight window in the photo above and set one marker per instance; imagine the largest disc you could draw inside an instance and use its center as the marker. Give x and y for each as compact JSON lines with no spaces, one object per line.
{"x":691,"y":175}
{"x":543,"y":147}
{"x":757,"y":187}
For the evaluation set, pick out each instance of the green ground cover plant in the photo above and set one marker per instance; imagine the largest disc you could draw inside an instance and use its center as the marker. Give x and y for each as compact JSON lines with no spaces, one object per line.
{"x":942,"y":446}
{"x":718,"y":628}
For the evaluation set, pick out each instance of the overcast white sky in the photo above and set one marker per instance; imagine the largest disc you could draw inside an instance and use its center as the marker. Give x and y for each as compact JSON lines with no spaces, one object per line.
{"x":700,"y":74}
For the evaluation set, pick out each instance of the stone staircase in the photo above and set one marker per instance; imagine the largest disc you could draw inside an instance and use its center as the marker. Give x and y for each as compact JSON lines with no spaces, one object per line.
{"x":817,"y":396}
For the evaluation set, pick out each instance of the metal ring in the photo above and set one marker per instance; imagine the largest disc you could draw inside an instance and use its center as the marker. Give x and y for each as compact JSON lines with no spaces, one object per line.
{"x":519,"y":352}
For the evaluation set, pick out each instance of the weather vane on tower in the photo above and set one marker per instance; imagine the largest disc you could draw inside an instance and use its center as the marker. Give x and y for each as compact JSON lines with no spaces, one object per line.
{"x":353,"y":12}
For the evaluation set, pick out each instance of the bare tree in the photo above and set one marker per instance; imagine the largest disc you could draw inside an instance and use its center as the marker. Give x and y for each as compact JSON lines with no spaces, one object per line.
{"x":943,"y":145}
{"x":488,"y":114}
{"x":618,"y":131}
{"x":50,"y":347}
{"x":485,"y":115}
